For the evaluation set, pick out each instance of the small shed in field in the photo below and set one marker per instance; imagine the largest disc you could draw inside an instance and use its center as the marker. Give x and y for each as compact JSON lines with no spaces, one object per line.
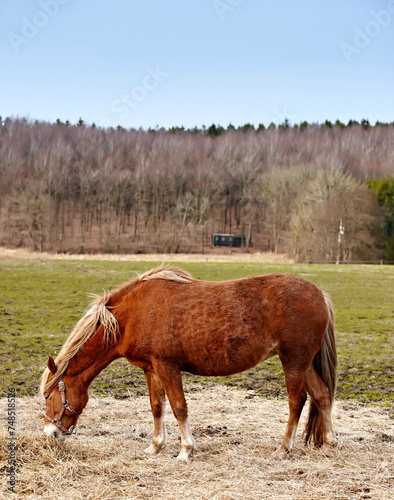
{"x":228,"y":240}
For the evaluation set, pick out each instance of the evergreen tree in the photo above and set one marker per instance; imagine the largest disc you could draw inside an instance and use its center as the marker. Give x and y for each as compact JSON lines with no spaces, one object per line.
{"x":285,"y":125}
{"x":174,"y":130}
{"x":381,"y":124}
{"x":246,"y":127}
{"x":303,"y":126}
{"x":352,"y":122}
{"x":384,"y":189}
{"x":214,"y":131}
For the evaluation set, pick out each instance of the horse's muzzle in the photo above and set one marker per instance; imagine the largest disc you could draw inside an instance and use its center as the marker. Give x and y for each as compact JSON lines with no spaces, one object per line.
{"x":52,"y":430}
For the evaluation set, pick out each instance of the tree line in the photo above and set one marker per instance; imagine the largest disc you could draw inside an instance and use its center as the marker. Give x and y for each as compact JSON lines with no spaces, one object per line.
{"x":307,"y":190}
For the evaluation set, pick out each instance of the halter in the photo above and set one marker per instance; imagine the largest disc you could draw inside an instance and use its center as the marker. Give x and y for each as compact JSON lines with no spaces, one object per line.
{"x":65,"y":406}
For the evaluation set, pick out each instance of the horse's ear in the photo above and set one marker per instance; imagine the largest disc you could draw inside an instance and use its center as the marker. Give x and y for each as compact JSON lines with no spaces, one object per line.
{"x":52,"y":365}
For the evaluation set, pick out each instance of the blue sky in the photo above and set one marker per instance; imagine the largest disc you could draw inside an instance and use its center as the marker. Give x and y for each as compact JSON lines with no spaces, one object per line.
{"x":197,"y":62}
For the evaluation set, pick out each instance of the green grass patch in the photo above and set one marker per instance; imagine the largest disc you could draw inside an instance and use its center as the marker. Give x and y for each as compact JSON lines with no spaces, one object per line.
{"x":43,"y":299}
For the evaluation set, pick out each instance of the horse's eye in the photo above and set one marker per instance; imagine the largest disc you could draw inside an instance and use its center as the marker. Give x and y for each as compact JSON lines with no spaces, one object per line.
{"x":47,"y":396}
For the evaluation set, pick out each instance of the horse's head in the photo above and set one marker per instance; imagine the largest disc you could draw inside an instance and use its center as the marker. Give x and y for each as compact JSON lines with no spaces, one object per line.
{"x":62,"y":405}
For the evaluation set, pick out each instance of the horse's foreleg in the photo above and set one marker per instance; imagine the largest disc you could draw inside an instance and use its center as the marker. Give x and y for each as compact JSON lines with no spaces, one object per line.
{"x":158,"y":401}
{"x":295,"y":383}
{"x":171,"y":380}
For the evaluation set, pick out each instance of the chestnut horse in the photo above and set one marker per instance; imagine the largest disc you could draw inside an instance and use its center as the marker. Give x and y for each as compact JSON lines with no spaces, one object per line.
{"x":166,"y":322}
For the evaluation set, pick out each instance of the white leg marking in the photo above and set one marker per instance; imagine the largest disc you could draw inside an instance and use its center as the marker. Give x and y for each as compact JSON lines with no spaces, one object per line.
{"x":287,"y":446}
{"x":187,"y":440}
{"x":159,"y":440}
{"x":292,"y":437}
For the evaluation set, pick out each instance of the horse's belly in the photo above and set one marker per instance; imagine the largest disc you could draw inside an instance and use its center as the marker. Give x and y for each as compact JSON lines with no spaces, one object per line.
{"x":228,"y":363}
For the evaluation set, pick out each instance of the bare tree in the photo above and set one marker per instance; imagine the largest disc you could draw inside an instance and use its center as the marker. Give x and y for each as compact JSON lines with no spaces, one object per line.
{"x":69,"y":187}
{"x":330,"y":200}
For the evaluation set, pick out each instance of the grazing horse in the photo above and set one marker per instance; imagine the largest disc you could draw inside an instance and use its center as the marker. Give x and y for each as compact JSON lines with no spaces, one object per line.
{"x":166,"y":322}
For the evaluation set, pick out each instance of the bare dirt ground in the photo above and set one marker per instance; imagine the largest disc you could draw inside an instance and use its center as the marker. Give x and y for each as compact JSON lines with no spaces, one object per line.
{"x":236,"y":433}
{"x":212,"y":256}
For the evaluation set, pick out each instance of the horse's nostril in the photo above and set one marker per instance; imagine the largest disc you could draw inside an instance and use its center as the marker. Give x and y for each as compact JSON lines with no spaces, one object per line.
{"x":50,"y":430}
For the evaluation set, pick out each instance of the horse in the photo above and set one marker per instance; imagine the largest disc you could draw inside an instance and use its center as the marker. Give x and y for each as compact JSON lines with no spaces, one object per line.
{"x":166,"y":322}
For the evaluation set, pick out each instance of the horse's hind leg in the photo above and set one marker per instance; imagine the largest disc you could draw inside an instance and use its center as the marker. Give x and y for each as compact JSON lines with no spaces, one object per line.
{"x":321,"y":398}
{"x":295,"y":384}
{"x":171,"y":380}
{"x":158,"y":401}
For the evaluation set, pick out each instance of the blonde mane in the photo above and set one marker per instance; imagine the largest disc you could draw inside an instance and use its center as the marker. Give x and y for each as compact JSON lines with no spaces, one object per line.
{"x":82,"y":332}
{"x":166,"y":272}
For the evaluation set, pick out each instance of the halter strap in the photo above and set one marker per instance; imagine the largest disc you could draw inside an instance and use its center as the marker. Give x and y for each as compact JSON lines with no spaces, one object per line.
{"x":65,"y":406}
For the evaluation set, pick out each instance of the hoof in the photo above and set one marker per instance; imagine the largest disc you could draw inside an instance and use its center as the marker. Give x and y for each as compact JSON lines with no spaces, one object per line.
{"x":281,"y":454}
{"x":329,"y":447}
{"x":331,"y":442}
{"x":153,"y":449}
{"x":184,"y":455}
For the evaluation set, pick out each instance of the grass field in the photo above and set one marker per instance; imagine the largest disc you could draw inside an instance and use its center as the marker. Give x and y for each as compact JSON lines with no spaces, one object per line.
{"x":236,"y":430}
{"x":42,"y":299}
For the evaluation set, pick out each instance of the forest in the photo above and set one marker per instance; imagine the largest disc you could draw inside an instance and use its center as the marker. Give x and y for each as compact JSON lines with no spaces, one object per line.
{"x":317,"y":192}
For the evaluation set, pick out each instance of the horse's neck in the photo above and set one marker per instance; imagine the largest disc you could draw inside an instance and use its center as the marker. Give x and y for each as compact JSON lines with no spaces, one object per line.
{"x":91,"y":360}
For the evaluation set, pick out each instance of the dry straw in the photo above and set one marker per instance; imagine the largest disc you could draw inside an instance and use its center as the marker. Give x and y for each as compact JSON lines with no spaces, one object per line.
{"x":236,"y":433}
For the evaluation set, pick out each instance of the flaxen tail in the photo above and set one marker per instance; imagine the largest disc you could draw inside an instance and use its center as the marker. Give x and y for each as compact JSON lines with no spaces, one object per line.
{"x":326,"y":365}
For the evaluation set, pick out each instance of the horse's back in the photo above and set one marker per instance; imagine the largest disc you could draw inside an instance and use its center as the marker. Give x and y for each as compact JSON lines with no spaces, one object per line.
{"x":219,"y":328}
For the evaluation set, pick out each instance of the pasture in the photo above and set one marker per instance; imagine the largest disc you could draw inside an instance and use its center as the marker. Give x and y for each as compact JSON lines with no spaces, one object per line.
{"x":236,"y":431}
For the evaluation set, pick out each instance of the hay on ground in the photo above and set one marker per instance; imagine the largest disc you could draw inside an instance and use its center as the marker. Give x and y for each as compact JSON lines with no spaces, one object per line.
{"x":236,"y":433}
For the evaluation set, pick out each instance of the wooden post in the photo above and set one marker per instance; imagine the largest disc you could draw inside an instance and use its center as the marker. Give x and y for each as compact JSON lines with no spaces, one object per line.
{"x":341,"y":234}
